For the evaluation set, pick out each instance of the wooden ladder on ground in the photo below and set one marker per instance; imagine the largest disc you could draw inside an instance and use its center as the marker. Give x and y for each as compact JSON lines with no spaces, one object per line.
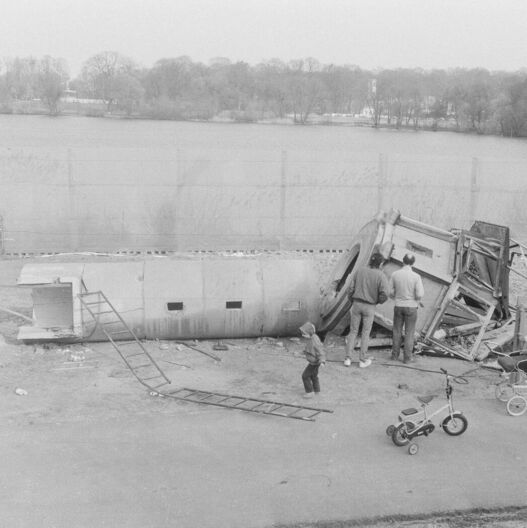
{"x":148,"y":372}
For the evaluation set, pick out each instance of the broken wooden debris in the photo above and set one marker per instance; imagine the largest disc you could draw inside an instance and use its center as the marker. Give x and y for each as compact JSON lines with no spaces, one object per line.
{"x":465,"y":275}
{"x":520,"y":327}
{"x":377,"y":342}
{"x":209,"y":354}
{"x":18,"y":314}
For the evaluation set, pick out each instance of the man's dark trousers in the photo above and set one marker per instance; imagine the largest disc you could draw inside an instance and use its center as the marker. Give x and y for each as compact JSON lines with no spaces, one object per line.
{"x":406,"y":317}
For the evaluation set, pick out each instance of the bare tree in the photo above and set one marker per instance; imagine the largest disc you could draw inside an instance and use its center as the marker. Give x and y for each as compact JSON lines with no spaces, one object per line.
{"x":51,"y":82}
{"x":105,"y":74}
{"x":270,"y":86}
{"x":511,"y":106}
{"x":305,"y":88}
{"x":375,"y":101}
{"x":20,"y":77}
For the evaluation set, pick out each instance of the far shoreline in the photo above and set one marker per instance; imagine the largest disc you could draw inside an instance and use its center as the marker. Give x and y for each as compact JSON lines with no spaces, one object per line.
{"x":314,"y":121}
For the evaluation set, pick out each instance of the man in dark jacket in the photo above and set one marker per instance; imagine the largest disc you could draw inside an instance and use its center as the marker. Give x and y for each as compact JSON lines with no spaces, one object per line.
{"x":368,"y":288}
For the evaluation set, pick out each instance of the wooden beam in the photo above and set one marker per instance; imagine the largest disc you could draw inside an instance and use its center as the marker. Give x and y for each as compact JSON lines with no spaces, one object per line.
{"x":520,"y":325}
{"x":450,"y":350}
{"x":475,"y":347}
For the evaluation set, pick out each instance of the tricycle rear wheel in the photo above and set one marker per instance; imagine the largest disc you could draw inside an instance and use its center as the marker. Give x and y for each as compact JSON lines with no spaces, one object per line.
{"x":413,"y":449}
{"x":504,"y":391}
{"x":400,"y":433}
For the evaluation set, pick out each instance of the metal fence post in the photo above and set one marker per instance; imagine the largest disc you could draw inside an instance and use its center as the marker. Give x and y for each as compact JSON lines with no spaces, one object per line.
{"x":283,"y":190}
{"x":474,"y":190}
{"x":73,"y":222}
{"x":2,"y":247}
{"x":381,"y":181}
{"x":178,"y":200}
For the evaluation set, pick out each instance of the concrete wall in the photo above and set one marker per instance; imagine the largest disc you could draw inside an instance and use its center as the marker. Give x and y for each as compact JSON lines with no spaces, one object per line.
{"x":108,"y":199}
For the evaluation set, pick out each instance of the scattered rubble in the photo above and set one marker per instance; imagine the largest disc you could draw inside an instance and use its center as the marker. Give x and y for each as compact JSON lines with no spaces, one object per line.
{"x":162,"y":346}
{"x":77,"y":356}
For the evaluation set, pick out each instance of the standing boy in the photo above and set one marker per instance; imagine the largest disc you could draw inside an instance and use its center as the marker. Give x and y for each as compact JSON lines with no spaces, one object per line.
{"x":368,"y":288}
{"x":315,"y":356}
{"x":406,"y":287}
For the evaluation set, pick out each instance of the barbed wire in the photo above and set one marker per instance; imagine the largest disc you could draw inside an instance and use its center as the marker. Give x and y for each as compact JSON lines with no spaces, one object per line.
{"x":16,"y":154}
{"x":180,"y":186}
{"x":214,"y":235}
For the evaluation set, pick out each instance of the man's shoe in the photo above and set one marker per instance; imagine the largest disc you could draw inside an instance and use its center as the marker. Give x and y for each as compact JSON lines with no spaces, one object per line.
{"x":409,"y":360}
{"x":308,"y":395}
{"x":393,"y":358}
{"x":365,"y":363}
{"x":347,"y":362}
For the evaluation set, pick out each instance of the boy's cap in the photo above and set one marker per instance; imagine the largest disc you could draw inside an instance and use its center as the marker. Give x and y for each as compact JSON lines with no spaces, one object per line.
{"x":308,"y":328}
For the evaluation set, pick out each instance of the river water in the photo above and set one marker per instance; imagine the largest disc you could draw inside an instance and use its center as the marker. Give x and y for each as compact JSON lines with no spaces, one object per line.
{"x":77,"y":132}
{"x":102,"y":183}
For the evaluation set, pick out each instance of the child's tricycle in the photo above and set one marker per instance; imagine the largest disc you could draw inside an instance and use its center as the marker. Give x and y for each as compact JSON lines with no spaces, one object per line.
{"x":413,"y":422}
{"x":513,"y":391}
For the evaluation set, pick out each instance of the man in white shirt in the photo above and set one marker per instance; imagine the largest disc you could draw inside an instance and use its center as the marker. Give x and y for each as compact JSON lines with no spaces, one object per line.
{"x":406,"y":287}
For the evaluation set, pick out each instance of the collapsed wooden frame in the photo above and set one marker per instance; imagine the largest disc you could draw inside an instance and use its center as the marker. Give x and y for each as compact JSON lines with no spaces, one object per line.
{"x":477,"y":299}
{"x":465,"y":275}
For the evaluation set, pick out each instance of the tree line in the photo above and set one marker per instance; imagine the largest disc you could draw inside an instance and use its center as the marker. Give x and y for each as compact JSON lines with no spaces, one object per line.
{"x":304,"y":91}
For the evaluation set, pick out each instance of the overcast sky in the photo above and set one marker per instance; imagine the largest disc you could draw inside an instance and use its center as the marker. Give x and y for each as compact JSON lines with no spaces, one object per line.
{"x":369,"y":33}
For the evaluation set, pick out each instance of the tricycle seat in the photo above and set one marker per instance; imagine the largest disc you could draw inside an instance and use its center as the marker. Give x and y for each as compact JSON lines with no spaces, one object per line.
{"x":510,"y":363}
{"x":426,"y":399}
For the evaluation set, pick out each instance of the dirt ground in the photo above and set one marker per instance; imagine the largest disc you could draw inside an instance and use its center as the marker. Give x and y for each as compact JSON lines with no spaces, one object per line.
{"x":266,"y":368}
{"x":85,"y":382}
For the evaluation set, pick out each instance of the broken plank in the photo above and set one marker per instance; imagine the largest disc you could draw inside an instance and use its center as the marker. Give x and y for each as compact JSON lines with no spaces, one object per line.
{"x":213,"y":356}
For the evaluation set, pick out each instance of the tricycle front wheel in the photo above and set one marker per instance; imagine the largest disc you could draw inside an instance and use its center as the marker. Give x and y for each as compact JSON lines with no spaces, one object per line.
{"x":455,"y":424}
{"x":517,"y":405}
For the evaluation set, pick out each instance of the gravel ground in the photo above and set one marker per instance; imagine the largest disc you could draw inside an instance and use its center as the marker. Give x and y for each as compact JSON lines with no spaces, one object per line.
{"x":85,"y":382}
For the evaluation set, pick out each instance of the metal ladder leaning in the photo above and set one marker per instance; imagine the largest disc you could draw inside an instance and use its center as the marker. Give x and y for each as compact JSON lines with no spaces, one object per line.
{"x":132,"y":351}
